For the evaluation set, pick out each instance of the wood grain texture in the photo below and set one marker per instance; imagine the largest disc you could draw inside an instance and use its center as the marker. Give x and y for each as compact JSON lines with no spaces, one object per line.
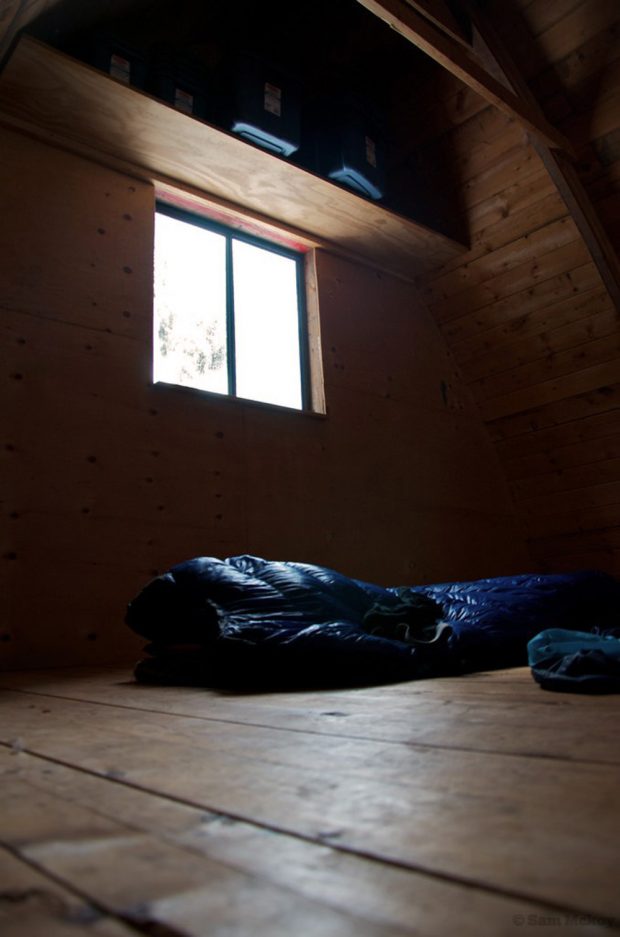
{"x":113,"y":823}
{"x":450,"y":55}
{"x":574,"y":29}
{"x":585,"y":216}
{"x":67,"y":102}
{"x":165,"y":811}
{"x":563,"y":326}
{"x":492,"y":713}
{"x":539,"y":341}
{"x":523,"y":314}
{"x":580,"y":430}
{"x":439,"y":13}
{"x":148,"y":881}
{"x":33,"y":904}
{"x":117,"y":479}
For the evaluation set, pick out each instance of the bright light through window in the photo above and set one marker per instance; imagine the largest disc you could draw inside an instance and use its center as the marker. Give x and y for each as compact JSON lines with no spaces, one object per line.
{"x":266,"y":325}
{"x":211,"y":285}
{"x":190,"y":306}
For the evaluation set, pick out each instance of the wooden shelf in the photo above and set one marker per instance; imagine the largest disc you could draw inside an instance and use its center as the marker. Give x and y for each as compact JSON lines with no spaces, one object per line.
{"x":65,"y":102}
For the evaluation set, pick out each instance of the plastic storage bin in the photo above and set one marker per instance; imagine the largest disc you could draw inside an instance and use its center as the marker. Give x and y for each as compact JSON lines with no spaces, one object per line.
{"x":179,"y":81}
{"x":351,"y":146}
{"x":262,"y":105}
{"x":113,"y":54}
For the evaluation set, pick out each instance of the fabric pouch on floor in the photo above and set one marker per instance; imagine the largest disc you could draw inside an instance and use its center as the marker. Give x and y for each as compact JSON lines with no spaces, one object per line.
{"x":575,"y":661}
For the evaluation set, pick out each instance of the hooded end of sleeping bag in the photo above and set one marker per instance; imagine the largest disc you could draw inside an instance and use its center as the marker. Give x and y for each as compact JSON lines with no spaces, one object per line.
{"x":250,"y":622}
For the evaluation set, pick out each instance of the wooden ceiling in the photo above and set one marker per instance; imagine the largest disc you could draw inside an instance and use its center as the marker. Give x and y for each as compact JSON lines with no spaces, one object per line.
{"x":531,"y":323}
{"x":530,"y":312}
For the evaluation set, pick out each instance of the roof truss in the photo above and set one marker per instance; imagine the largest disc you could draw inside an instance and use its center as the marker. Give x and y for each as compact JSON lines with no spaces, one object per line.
{"x":434,"y":34}
{"x":560,"y":168}
{"x":463,"y":63}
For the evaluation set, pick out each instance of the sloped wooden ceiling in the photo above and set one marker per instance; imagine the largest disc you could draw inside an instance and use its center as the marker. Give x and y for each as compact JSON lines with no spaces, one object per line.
{"x":525,"y":312}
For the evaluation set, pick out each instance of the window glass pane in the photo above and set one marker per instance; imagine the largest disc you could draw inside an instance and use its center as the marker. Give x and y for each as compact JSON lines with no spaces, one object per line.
{"x":266,"y":326}
{"x":189,"y":346}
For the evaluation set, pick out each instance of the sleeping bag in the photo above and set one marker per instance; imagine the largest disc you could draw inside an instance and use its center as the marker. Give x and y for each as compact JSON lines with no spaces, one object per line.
{"x":251,"y":622}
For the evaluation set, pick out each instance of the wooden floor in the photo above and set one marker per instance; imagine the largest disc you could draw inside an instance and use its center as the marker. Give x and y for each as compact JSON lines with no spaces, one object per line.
{"x":468,"y":806}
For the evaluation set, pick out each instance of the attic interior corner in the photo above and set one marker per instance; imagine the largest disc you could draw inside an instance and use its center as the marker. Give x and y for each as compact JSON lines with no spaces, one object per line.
{"x":311,"y":371}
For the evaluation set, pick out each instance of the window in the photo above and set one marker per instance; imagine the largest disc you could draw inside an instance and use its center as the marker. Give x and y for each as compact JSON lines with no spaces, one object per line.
{"x":229,"y":312}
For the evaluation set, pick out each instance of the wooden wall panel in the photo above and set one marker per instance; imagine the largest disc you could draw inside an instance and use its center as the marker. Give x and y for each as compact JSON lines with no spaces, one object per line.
{"x":111,"y":479}
{"x":525,"y":313}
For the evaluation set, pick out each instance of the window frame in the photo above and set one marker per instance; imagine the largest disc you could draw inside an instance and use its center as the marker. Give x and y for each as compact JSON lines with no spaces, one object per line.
{"x":231,"y":233}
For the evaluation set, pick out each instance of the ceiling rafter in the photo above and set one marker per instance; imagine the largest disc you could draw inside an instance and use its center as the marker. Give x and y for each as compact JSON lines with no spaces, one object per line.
{"x":13,"y":16}
{"x":561,"y":170}
{"x":439,"y":13}
{"x":400,"y":16}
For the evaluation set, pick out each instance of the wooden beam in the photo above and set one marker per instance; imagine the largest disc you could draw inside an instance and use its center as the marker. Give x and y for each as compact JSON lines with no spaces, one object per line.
{"x":438,"y":12}
{"x":561,"y":170}
{"x":449,"y":54}
{"x":577,"y":200}
{"x":12,"y":17}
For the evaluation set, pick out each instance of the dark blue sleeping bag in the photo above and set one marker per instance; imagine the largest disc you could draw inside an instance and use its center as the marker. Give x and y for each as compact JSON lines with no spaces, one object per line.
{"x":247,"y":621}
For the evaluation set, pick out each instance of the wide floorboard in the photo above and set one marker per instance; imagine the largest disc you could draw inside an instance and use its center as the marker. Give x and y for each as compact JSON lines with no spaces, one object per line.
{"x":478,"y":805}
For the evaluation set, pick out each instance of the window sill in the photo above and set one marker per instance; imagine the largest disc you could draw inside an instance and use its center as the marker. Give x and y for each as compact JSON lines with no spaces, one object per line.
{"x":161,"y":387}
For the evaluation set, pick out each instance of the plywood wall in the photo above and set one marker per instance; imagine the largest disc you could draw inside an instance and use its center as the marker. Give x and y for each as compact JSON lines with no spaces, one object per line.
{"x":111,"y":480}
{"x":525,"y":313}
